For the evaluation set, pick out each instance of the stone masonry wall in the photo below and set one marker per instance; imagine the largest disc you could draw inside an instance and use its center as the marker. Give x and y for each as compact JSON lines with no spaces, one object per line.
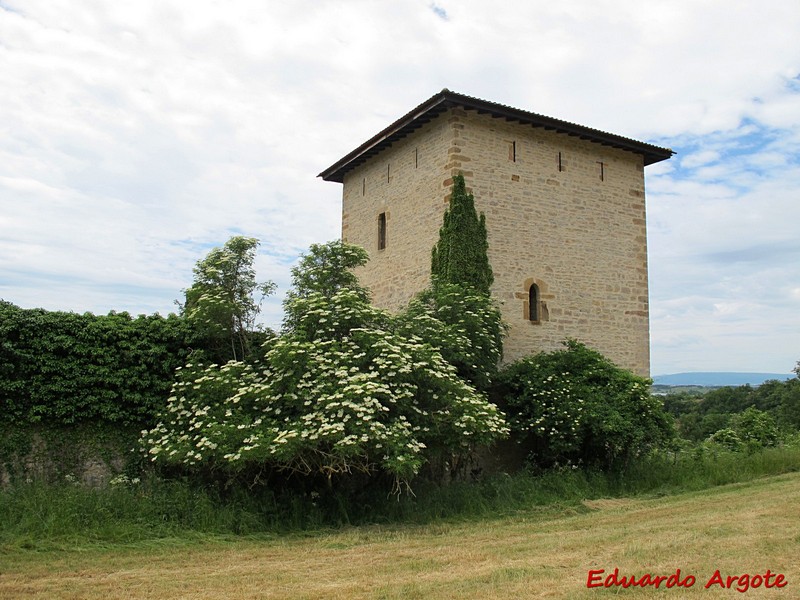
{"x":580,"y":238}
{"x":405,"y":183}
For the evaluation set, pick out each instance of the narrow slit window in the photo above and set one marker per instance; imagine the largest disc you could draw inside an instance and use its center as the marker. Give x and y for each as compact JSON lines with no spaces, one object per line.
{"x":602,"y":170}
{"x":560,"y":164}
{"x":382,"y":231}
{"x":416,"y":158}
{"x":364,"y":186}
{"x":387,"y":173}
{"x":533,"y":303}
{"x":512,"y":151}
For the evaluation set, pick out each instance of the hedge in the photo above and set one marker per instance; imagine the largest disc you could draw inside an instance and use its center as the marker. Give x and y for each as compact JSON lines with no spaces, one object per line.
{"x":65,"y":368}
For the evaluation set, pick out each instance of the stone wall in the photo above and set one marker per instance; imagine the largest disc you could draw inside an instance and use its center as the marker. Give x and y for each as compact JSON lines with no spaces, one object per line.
{"x":405,"y":183}
{"x":561,"y":212}
{"x":90,"y":455}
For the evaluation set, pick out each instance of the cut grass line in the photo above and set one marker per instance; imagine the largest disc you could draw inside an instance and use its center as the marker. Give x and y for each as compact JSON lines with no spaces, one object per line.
{"x":746,"y":527}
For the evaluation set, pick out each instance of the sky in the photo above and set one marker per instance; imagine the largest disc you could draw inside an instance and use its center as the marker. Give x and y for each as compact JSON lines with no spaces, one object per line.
{"x":136,"y":136}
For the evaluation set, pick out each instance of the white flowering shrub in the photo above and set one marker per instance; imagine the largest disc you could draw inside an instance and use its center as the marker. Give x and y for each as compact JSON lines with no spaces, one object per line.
{"x":340,"y":391}
{"x":575,"y":406}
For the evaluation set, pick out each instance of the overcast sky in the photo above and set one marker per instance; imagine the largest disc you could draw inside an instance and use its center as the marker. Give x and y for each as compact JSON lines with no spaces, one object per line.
{"x":135,"y":136}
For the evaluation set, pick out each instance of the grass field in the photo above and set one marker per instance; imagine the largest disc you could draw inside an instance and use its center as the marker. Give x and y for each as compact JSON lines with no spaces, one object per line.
{"x":547,"y":553}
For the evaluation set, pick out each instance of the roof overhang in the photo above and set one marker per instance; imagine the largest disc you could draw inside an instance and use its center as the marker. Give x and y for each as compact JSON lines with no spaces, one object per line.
{"x":444,"y":100}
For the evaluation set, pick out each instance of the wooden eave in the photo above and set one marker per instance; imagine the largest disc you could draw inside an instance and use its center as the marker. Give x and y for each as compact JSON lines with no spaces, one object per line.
{"x":444,"y":100}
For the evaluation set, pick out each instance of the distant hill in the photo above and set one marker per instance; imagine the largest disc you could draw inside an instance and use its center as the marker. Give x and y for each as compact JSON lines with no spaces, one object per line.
{"x":719,"y":378}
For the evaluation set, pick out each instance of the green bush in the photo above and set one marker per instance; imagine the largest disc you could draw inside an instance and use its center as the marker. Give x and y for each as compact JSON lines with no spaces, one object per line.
{"x":755,"y":427}
{"x":575,"y":406}
{"x":727,"y":438}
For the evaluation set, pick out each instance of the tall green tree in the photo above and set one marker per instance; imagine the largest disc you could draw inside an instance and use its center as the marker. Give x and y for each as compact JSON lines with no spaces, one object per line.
{"x":461,"y":255}
{"x":221,"y":303}
{"x":325,"y":270}
{"x":457,"y":313}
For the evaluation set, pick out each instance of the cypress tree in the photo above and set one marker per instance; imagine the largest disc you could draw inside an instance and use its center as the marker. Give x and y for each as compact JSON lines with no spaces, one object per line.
{"x":461,"y":254}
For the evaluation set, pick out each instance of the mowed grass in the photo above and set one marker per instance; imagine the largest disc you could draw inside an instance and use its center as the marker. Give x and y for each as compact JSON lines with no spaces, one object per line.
{"x":545,"y":553}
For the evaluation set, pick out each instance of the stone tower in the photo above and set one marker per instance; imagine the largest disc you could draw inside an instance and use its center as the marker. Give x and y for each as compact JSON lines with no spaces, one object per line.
{"x":565,"y":214}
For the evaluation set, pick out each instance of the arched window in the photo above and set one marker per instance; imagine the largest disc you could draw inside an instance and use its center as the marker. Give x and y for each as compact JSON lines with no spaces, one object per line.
{"x":533,"y":303}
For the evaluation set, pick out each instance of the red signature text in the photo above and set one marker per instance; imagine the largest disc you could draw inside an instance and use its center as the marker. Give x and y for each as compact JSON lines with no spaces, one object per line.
{"x":741,"y":583}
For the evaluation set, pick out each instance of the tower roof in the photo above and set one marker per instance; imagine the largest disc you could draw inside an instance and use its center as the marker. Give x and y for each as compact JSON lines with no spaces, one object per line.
{"x":446,"y":99}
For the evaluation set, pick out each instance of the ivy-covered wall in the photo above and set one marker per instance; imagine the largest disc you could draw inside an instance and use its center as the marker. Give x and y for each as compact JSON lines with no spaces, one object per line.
{"x":65,"y":368}
{"x":76,"y":390}
{"x":90,"y":454}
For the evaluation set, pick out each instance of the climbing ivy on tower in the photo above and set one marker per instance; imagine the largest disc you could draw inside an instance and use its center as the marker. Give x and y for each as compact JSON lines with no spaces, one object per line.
{"x":461,"y":254}
{"x":456,"y":314}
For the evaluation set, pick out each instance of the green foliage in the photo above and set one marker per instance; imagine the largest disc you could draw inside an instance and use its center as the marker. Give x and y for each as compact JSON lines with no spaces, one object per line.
{"x":680,"y":404}
{"x":755,"y":428}
{"x":727,"y":400}
{"x":49,"y":452}
{"x":696,"y":427}
{"x":456,"y":313}
{"x":464,"y":325}
{"x":703,"y":416}
{"x":63,"y":368}
{"x":575,"y":406}
{"x":323,"y":272}
{"x":788,"y":411}
{"x":727,"y":438}
{"x":220,"y":303}
{"x":701,"y":467}
{"x":340,"y":392}
{"x":460,"y":256}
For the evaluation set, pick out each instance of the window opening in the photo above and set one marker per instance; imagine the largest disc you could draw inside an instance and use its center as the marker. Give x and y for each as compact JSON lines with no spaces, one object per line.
{"x":363,"y":186}
{"x":382,"y":231}
{"x":560,"y":166}
{"x":602,"y":170}
{"x":512,"y":151}
{"x":533,"y":303}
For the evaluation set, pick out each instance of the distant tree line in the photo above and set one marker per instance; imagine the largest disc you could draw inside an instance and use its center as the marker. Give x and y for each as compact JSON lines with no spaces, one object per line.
{"x":772,"y":407}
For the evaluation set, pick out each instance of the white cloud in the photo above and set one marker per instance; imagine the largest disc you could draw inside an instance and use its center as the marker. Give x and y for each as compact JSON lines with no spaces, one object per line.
{"x":135,"y":136}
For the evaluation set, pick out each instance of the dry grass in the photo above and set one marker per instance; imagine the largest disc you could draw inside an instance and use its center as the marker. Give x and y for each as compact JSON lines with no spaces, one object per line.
{"x":739,"y":528}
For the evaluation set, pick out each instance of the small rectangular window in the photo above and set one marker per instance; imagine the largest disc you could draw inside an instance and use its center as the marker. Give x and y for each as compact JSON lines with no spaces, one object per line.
{"x":512,"y":151}
{"x":602,"y":170}
{"x":382,"y":231}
